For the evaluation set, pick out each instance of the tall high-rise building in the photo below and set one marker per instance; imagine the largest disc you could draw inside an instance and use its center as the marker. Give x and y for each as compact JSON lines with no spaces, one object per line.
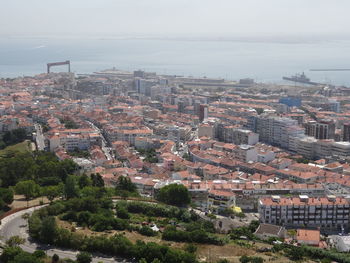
{"x":277,"y":131}
{"x":346,"y":132}
{"x":322,"y":130}
{"x":181,"y":106}
{"x":203,"y":112}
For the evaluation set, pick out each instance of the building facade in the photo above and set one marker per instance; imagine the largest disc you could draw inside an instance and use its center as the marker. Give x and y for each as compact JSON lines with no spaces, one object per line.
{"x":329,"y":213}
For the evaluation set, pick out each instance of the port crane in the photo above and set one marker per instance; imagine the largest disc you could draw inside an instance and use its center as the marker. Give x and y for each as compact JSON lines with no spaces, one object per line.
{"x":49,"y":65}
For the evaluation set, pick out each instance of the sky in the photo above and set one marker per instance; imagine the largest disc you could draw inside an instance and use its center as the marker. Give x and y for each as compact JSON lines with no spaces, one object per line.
{"x":175,"y":18}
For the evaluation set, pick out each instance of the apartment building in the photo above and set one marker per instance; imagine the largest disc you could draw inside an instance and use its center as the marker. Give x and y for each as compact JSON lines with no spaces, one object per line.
{"x":324,"y":129}
{"x":329,"y":213}
{"x":71,"y":140}
{"x":239,"y":136}
{"x":312,"y":148}
{"x":179,"y":134}
{"x":346,"y":132}
{"x":219,"y":200}
{"x":127,"y":135}
{"x":276,"y":130}
{"x":246,"y":153}
{"x":206,"y":130}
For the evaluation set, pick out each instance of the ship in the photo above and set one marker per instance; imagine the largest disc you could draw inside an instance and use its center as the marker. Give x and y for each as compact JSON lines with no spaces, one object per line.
{"x":300,"y":78}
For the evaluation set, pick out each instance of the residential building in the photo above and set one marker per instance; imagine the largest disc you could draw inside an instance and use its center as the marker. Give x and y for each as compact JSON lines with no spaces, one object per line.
{"x":266,"y":231}
{"x":246,"y":153}
{"x":324,"y":129}
{"x":330,"y":213}
{"x":203,"y":112}
{"x":239,"y":136}
{"x":346,"y":132}
{"x":220,"y":200}
{"x":308,"y":237}
{"x":276,"y":130}
{"x":206,"y":130}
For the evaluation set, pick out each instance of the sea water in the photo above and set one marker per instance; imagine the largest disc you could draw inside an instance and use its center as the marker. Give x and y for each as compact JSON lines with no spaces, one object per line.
{"x":264,"y":61}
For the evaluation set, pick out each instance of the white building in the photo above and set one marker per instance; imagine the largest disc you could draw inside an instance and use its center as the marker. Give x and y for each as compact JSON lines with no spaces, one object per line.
{"x":277,"y":130}
{"x":71,"y":140}
{"x":246,"y":153}
{"x":240,"y":136}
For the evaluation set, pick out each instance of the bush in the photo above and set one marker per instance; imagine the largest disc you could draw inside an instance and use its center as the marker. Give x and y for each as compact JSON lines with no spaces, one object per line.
{"x":122,"y":213}
{"x":39,"y":254}
{"x":190,"y":248}
{"x":42,"y":226}
{"x":198,"y":236}
{"x":160,"y":210}
{"x":147,"y":231}
{"x":84,"y":257}
{"x":247,"y":259}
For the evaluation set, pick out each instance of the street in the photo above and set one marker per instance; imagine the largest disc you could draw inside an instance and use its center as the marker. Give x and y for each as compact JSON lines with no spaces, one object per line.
{"x":105,"y":149}
{"x":40,"y":139}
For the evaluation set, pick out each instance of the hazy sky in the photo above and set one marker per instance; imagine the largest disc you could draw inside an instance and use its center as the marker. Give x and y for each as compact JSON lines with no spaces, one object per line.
{"x":227,"y":18}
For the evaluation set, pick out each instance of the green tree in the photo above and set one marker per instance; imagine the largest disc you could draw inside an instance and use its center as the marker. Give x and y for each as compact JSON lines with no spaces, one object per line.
{"x":122,"y":212}
{"x":97,"y":180}
{"x":25,"y":257}
{"x":9,"y":253}
{"x":39,"y":254}
{"x":27,"y":188}
{"x":295,"y":253}
{"x":191,"y":248}
{"x":15,"y":241}
{"x":71,"y":188}
{"x":6,"y":195}
{"x":124,"y":183}
{"x":14,"y":136}
{"x":48,"y":230}
{"x":84,"y":181}
{"x":253,"y":226}
{"x":55,"y":258}
{"x":53,"y":191}
{"x":84,"y":257}
{"x":65,"y":168}
{"x":174,"y":194}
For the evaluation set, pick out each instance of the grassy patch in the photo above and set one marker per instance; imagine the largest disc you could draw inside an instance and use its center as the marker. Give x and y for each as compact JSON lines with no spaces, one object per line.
{"x":21,"y":147}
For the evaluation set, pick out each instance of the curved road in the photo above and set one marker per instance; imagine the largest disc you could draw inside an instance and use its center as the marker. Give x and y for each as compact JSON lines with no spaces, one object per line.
{"x":15,"y":225}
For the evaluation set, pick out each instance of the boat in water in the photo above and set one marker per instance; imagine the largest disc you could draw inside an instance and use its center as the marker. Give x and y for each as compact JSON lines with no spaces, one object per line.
{"x":300,"y":78}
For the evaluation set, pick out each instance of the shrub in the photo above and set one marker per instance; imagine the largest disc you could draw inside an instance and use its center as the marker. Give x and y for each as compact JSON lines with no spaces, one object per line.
{"x":147,"y":231}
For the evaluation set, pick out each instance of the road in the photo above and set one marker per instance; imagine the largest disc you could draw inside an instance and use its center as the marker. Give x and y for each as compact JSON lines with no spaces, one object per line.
{"x":40,"y":139}
{"x":105,"y":149}
{"x":15,"y":225}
